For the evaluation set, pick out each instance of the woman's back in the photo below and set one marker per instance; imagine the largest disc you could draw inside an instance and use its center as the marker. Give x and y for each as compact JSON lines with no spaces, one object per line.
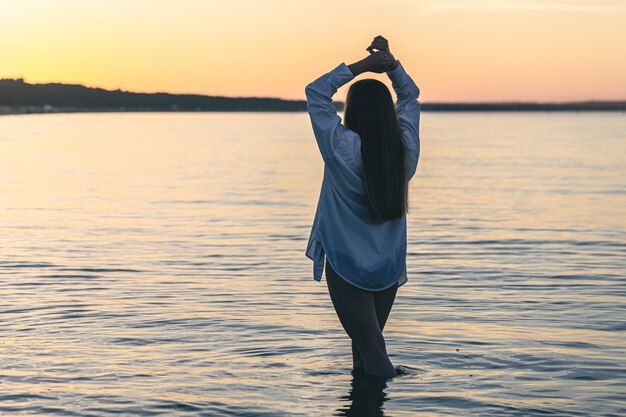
{"x":360,"y":221}
{"x":370,"y":255}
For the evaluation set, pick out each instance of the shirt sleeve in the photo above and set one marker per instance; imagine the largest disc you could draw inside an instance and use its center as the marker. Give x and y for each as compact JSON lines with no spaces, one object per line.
{"x":326,"y":122}
{"x":407,"y":110}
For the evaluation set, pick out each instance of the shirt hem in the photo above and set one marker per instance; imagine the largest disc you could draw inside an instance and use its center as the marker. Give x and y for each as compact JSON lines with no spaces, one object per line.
{"x":358,"y":286}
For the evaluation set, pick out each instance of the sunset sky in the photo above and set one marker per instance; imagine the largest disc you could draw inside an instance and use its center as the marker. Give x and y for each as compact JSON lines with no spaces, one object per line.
{"x":456,"y":50}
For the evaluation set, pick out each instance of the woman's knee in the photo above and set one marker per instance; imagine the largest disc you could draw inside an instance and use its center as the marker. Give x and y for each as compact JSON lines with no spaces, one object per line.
{"x":369,"y":340}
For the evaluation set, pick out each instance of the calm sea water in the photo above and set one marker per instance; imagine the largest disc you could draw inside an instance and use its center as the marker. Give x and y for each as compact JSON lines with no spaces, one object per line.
{"x":153,"y":264}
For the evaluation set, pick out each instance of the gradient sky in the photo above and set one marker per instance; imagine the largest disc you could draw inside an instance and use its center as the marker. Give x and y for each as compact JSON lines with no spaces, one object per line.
{"x":456,"y":50}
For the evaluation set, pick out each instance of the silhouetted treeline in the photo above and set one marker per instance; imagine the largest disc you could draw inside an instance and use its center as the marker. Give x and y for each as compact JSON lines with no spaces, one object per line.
{"x":17,"y":93}
{"x":17,"y":96}
{"x":571,"y":106}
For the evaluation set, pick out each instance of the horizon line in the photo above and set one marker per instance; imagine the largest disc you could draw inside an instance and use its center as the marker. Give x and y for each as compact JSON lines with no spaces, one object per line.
{"x":507,"y":102}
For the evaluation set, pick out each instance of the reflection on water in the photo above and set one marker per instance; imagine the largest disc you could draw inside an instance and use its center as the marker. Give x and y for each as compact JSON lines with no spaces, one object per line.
{"x":153,"y":264}
{"x":366,"y":397}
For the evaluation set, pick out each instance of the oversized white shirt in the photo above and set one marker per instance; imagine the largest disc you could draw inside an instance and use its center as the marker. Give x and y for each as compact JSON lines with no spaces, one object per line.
{"x":370,"y":256}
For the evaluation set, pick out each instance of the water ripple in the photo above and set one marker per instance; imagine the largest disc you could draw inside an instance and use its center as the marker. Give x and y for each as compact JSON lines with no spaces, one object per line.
{"x":153,"y":265}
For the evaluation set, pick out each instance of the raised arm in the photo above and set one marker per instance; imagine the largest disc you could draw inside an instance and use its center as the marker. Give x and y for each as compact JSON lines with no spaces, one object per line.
{"x":324,"y":119}
{"x":326,"y":122}
{"x":407,"y":104}
{"x":407,"y":110}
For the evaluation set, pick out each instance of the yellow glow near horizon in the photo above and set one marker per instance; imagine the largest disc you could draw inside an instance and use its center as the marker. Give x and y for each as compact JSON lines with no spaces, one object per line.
{"x":506,"y":50}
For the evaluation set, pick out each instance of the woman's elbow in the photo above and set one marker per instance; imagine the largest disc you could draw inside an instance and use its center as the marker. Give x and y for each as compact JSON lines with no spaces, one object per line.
{"x":309,"y":91}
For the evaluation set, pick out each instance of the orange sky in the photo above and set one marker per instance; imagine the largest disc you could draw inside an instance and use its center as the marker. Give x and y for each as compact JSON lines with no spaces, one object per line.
{"x":456,"y":50}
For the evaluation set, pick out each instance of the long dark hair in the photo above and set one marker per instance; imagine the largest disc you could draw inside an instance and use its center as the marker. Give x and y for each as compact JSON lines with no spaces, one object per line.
{"x":369,"y":111}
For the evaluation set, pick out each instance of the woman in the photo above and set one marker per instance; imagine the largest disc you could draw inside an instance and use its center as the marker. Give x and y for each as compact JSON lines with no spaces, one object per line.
{"x":360,"y":221}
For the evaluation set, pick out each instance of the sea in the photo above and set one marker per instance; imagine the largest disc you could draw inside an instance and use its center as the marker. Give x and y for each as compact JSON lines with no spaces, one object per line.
{"x":153,"y":264}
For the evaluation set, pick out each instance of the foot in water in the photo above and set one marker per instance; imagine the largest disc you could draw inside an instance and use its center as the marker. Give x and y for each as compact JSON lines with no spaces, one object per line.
{"x":400,"y":371}
{"x":359,"y":372}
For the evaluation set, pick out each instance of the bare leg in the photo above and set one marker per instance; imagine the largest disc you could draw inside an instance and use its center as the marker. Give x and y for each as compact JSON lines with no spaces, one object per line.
{"x":356,"y":310}
{"x":383,"y":301}
{"x":357,"y":362}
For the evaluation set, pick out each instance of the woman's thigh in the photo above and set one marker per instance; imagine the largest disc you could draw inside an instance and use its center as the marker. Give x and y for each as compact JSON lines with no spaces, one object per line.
{"x":383,"y":301}
{"x":355,"y":307}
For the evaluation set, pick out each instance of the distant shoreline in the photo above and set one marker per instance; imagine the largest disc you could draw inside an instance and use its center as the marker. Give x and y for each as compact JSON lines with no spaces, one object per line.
{"x":20,"y":97}
{"x":436,"y":108}
{"x":26,"y":110}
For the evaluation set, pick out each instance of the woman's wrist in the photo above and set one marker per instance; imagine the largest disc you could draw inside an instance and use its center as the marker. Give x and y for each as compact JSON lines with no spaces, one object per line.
{"x":357,"y":68}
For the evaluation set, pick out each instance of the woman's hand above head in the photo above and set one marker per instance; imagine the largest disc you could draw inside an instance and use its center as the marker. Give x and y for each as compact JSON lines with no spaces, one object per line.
{"x":379,"y":60}
{"x":379,"y":43}
{"x":382,"y":45}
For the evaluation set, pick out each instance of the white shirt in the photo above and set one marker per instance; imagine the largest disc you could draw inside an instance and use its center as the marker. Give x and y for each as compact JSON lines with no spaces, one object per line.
{"x":370,"y":256}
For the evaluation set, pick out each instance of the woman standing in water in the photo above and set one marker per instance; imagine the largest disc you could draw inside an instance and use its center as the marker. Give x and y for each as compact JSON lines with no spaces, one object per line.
{"x":360,"y":220}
